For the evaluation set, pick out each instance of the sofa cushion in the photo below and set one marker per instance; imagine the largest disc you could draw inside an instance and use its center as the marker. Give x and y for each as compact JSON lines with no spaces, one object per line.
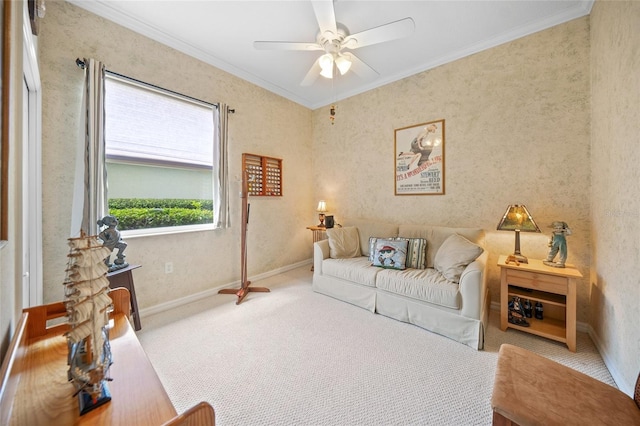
{"x":356,"y":269}
{"x":390,"y":254}
{"x":416,"y":252}
{"x":423,"y":284}
{"x":344,"y":243}
{"x":454,"y":255}
{"x":367,"y":228}
{"x":435,"y":236}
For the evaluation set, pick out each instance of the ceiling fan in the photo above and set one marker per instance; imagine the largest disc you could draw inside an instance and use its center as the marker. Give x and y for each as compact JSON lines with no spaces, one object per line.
{"x":333,"y":38}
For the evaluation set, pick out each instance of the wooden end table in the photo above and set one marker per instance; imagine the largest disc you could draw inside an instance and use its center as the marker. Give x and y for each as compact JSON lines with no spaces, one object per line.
{"x":319,"y":233}
{"x":555,"y":288}
{"x":124,"y":278}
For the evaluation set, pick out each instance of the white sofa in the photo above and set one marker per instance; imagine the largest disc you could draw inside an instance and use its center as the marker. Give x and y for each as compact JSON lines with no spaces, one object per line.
{"x":424,"y":297}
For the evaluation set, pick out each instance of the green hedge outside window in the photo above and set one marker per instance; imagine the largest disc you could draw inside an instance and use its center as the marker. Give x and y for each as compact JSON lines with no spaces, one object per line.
{"x":144,"y":213}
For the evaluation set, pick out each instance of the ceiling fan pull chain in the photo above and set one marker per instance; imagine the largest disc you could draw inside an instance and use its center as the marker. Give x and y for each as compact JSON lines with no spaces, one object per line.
{"x":332,"y":110}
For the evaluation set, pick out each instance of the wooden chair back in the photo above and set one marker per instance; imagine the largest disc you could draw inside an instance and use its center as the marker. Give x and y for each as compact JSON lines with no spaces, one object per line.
{"x":201,"y":414}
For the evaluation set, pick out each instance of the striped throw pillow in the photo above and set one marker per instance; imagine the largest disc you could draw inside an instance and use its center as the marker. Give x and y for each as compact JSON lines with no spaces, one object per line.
{"x":416,"y":252}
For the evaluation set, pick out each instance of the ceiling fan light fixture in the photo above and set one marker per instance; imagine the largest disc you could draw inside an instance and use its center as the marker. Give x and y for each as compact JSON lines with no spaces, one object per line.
{"x":343,"y":63}
{"x":326,"y":64}
{"x":327,"y":73}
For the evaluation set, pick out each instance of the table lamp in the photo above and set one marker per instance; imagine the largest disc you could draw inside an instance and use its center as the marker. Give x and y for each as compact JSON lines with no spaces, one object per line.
{"x":517,"y":218}
{"x":322,"y":209}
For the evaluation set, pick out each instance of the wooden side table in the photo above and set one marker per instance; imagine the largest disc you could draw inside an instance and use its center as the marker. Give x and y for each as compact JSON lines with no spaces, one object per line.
{"x":124,"y":278}
{"x":38,"y":391}
{"x":555,"y":288}
{"x":319,"y":233}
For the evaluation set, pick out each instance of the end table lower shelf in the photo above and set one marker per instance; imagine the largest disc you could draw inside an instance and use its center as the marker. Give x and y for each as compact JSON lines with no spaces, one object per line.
{"x":550,"y":328}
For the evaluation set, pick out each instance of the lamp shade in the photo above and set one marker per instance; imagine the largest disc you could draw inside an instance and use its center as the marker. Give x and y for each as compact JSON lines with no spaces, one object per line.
{"x":322,"y":206}
{"x":343,"y":62}
{"x":517,"y":218}
{"x":326,"y":64}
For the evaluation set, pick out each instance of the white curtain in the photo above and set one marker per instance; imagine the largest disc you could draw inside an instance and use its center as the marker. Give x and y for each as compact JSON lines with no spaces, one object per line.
{"x":90,"y":191}
{"x":221,"y":175}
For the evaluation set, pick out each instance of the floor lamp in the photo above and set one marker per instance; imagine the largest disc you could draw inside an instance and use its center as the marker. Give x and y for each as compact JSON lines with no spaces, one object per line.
{"x":245,"y":283}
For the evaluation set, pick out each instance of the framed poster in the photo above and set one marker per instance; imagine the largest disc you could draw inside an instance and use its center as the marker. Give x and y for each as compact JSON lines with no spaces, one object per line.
{"x":419,"y":157}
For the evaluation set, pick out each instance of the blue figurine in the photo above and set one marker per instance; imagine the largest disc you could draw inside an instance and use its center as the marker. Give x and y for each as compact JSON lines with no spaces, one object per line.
{"x":558,"y":244}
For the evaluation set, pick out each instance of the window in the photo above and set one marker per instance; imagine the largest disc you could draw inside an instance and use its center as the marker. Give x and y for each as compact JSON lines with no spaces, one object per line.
{"x":159,"y":149}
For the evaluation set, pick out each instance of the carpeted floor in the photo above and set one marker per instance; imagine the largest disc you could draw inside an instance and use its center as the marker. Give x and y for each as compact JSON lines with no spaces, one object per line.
{"x":295,"y":357}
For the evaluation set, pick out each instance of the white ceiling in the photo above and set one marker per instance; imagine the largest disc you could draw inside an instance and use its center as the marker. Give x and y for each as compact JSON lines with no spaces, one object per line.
{"x":222,"y":33}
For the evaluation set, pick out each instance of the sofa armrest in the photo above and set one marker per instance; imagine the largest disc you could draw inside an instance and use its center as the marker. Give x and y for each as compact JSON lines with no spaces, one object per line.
{"x":320,"y":253}
{"x":473,"y":285}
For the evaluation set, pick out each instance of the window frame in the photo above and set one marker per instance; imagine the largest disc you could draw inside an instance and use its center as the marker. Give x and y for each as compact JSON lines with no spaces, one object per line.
{"x":132,"y":233}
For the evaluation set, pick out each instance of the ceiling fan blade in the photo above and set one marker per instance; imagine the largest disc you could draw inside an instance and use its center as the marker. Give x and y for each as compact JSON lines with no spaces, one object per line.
{"x":312,"y":75}
{"x":285,"y":45}
{"x":359,"y":67}
{"x":392,"y":31}
{"x":325,"y":16}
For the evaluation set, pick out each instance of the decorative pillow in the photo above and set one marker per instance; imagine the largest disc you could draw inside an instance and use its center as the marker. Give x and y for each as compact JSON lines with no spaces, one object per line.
{"x":372,"y":247}
{"x":390,"y":254}
{"x":344,"y":242}
{"x":416,"y":252}
{"x":455,"y":253}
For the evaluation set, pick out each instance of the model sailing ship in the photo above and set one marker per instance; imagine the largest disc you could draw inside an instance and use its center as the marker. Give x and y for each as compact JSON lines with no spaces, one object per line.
{"x":88,"y":305}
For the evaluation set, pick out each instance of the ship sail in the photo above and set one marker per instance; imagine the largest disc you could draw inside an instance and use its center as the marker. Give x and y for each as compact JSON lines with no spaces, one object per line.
{"x":86,"y":288}
{"x":80,"y":273}
{"x":88,"y":305}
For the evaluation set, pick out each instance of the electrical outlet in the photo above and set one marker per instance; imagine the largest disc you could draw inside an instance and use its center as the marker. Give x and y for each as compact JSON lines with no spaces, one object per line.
{"x":168,"y":267}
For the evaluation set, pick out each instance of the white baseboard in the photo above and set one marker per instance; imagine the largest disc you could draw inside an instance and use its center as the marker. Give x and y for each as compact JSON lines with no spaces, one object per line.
{"x":622,"y":384}
{"x":156,"y":309}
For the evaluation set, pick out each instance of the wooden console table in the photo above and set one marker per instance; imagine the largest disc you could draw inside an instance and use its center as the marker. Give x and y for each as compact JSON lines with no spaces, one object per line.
{"x":555,"y":288}
{"x":35,"y":389}
{"x":124,"y":278}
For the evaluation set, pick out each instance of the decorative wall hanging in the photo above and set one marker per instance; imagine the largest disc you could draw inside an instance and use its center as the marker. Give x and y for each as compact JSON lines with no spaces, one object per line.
{"x":419,"y":158}
{"x":264,"y":174}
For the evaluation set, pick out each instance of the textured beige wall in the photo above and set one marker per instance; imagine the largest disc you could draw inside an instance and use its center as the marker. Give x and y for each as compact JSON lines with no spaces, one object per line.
{"x":517,"y":131}
{"x":615,"y":194}
{"x":264,"y":124}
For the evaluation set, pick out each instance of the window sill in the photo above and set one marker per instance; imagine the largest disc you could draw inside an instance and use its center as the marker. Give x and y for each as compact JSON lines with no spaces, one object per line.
{"x":152,"y":232}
